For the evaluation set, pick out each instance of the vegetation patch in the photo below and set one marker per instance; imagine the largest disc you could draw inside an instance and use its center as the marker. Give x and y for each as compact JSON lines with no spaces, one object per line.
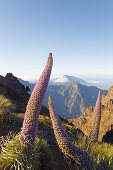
{"x":101,"y":153}
{"x":13,"y":156}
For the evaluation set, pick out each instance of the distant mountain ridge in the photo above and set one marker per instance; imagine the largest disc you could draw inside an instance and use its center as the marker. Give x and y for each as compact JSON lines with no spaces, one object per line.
{"x":72,"y":99}
{"x":61,"y":80}
{"x":66,"y":79}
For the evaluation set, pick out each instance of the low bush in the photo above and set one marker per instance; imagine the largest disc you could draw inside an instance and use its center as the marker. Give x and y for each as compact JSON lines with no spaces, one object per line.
{"x":13,"y":156}
{"x":101,"y":153}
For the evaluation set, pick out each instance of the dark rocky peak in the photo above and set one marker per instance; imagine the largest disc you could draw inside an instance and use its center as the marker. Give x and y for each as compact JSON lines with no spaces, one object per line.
{"x":10,"y":76}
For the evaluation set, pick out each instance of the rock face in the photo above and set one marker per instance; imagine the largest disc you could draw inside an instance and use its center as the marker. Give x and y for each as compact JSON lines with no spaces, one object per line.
{"x":107,"y":101}
{"x":84,"y":121}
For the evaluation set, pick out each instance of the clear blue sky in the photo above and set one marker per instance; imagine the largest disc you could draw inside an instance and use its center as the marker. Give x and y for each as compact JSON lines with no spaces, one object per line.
{"x":79,"y":33}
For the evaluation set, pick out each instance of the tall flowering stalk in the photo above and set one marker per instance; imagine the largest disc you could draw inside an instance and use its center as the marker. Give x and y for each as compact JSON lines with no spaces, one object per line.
{"x":30,"y":124}
{"x":79,"y":156}
{"x":96,"y":120}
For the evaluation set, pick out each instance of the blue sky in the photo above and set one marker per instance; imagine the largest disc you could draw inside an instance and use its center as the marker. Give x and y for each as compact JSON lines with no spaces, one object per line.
{"x":79,"y":33}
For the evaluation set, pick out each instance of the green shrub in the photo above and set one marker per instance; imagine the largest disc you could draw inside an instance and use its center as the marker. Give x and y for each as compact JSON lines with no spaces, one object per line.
{"x":13,"y":156}
{"x":45,"y":120}
{"x":101,"y":153}
{"x":6,"y":111}
{"x":5,"y":105}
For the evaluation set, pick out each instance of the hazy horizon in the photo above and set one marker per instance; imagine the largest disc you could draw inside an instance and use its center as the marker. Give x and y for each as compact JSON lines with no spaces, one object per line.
{"x":102,"y":81}
{"x":99,"y":80}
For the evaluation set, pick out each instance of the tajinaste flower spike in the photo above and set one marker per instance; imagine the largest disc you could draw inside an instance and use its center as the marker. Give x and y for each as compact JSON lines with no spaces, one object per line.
{"x":96,"y":120}
{"x":79,"y":156}
{"x":30,"y":124}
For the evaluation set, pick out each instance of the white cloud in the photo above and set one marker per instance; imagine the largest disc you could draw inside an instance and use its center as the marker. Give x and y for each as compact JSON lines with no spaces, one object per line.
{"x":93,"y":82}
{"x":60,"y":79}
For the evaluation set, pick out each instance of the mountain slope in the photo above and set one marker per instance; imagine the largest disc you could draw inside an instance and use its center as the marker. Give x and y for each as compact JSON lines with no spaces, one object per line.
{"x":84,"y":121}
{"x":14,"y":90}
{"x":71,"y":100}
